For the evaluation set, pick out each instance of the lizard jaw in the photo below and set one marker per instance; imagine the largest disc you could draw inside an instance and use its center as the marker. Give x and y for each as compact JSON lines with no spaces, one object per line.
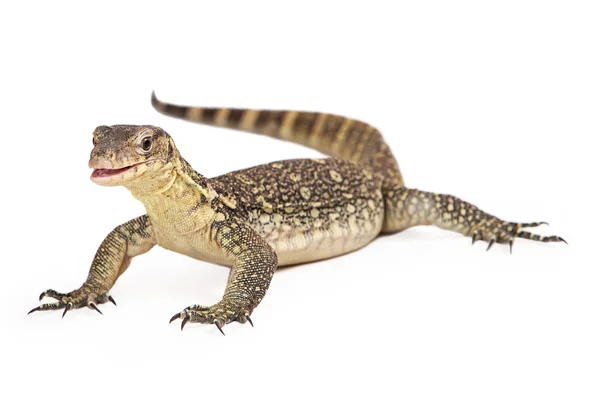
{"x":116,"y":176}
{"x":103,"y":172}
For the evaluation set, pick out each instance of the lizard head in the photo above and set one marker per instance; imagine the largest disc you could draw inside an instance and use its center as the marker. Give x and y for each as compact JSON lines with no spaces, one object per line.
{"x":130,"y":154}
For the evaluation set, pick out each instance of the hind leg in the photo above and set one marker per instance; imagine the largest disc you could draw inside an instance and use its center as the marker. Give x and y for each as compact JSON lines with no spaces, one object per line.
{"x":406,"y":208}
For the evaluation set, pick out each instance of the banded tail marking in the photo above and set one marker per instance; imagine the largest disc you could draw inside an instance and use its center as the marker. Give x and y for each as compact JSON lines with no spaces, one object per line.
{"x":330,"y":134}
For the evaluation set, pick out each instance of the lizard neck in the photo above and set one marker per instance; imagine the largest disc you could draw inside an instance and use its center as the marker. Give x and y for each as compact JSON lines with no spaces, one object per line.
{"x":178,"y":200}
{"x":155,"y":185}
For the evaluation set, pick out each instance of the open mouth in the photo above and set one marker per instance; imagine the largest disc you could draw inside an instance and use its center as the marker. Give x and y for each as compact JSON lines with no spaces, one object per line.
{"x":104,"y":173}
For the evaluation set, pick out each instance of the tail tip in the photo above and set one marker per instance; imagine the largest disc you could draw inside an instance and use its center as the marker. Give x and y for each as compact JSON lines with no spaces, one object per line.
{"x":154,"y":100}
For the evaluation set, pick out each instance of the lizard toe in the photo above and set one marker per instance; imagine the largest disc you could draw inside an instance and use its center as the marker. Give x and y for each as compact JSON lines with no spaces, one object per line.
{"x":219,"y":314}
{"x":498,"y":231}
{"x":79,"y":298}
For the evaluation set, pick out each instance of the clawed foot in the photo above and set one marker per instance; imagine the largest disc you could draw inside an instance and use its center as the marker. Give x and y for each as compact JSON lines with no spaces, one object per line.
{"x":219,"y":314}
{"x":497,"y":231}
{"x":76,"y":299}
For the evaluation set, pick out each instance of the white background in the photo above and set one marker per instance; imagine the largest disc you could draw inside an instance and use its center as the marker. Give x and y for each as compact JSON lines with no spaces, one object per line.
{"x":496,"y":102}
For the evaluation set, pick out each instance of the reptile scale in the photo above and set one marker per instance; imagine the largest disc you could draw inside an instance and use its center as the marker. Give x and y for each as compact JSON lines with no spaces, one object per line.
{"x":254,"y":220}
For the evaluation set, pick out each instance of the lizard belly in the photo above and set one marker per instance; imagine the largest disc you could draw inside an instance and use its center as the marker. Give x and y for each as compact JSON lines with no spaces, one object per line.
{"x":320,"y":233}
{"x":318,"y":244}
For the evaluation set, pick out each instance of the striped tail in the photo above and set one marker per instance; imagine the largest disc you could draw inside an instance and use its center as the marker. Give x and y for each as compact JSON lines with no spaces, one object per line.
{"x":332,"y":135}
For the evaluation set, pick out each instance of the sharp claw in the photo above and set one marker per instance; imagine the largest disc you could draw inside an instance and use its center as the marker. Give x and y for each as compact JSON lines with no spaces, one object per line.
{"x":544,"y":223}
{"x":34,"y":310}
{"x":110,"y":298}
{"x":42,"y":296}
{"x":510,"y":245}
{"x":563,"y":240}
{"x":474,"y":239}
{"x":64,"y":312}
{"x":491,"y":244}
{"x":249,"y":320}
{"x":218,"y":326}
{"x":174,"y":317}
{"x":94,"y":307}
{"x":185,"y":320}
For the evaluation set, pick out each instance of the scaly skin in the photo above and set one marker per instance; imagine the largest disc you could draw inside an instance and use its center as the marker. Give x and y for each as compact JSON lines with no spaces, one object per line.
{"x":254,"y":220}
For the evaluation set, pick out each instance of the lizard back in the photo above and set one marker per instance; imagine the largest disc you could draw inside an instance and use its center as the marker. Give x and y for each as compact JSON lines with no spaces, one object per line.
{"x":307,"y":209}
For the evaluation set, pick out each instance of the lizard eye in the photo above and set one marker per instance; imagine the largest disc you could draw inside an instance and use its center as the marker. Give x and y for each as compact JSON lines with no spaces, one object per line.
{"x":146,"y":144}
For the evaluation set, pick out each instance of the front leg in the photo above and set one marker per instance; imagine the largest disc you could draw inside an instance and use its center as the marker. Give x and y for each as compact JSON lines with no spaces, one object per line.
{"x":114,"y":255}
{"x":254,"y":263}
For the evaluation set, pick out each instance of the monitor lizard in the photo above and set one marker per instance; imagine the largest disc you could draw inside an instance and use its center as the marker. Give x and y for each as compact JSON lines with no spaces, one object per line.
{"x":254,"y":220}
